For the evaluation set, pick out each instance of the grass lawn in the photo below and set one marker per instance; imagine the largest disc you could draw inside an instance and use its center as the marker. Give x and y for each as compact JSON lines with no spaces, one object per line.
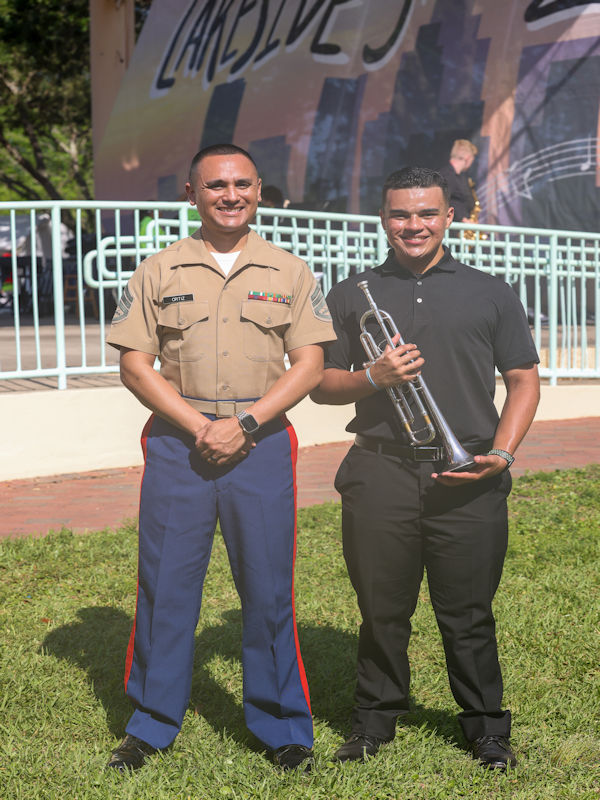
{"x":66,"y":611}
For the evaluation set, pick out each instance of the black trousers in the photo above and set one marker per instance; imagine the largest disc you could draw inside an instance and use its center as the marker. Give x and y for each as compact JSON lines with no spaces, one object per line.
{"x":396,"y":521}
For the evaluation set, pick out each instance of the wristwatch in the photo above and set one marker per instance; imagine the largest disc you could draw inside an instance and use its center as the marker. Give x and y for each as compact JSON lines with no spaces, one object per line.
{"x":247,"y":421}
{"x":503,"y":454}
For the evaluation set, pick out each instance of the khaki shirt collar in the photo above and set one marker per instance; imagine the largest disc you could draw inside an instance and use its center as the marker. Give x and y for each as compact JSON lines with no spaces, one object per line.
{"x":256,"y":252}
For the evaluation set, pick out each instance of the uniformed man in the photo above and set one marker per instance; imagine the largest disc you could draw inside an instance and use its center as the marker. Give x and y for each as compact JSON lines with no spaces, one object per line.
{"x":402,"y":511}
{"x":220,"y":309}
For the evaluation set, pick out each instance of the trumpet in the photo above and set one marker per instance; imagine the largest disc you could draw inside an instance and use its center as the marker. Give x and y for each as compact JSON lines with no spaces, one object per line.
{"x":456,"y":458}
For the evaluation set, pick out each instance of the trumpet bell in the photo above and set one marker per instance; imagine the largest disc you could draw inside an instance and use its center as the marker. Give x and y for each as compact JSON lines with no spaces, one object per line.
{"x":461,"y":462}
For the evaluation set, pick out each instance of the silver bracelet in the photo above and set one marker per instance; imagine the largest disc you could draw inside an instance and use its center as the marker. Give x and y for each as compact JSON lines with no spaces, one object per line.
{"x":370,"y":379}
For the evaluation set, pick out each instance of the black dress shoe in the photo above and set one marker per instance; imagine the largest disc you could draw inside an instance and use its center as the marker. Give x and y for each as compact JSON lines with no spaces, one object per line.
{"x":493,"y":752}
{"x":358,"y":747}
{"x":293,"y":756}
{"x":130,"y":754}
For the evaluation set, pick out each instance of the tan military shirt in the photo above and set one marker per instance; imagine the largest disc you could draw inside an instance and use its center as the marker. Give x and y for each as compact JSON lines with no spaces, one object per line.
{"x":221,"y":340}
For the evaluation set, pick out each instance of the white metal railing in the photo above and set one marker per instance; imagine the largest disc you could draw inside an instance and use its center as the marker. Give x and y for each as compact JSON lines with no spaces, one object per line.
{"x":57,"y":299}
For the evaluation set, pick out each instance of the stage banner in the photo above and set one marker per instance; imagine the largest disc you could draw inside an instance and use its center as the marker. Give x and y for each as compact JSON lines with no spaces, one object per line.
{"x":330,"y":96}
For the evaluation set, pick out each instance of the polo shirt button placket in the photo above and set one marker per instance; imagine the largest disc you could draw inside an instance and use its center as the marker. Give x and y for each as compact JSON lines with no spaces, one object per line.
{"x":419,"y":299}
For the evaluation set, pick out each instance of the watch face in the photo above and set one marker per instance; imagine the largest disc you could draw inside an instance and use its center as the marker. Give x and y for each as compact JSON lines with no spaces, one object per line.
{"x":248,"y":423}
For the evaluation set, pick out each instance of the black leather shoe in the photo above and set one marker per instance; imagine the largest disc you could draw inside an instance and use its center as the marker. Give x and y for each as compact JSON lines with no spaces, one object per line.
{"x":358,"y":747}
{"x":294,"y":756}
{"x":493,"y":752}
{"x":130,"y":754}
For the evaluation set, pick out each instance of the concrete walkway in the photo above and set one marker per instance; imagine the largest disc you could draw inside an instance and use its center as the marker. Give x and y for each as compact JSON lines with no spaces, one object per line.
{"x":96,"y":500}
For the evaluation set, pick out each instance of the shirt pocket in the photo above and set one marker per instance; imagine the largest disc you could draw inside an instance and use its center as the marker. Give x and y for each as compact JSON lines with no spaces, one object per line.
{"x":263,"y":327}
{"x":184,"y":331}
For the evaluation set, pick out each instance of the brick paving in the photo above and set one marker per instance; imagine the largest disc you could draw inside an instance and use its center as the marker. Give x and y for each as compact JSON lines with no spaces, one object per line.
{"x":104,"y":498}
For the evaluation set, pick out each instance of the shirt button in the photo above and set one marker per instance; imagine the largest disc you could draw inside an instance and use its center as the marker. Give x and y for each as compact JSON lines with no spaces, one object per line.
{"x":419,"y":283}
{"x":419,"y":299}
{"x":225,"y":319}
{"x":180,"y":321}
{"x":225,"y":386}
{"x":268,"y":320}
{"x":225,"y":352}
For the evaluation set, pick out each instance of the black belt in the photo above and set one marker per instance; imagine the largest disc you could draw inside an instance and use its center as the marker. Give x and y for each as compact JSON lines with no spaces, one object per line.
{"x":399,"y":450}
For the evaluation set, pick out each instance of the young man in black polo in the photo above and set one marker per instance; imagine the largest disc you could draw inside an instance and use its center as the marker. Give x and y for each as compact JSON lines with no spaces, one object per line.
{"x":401,"y":512}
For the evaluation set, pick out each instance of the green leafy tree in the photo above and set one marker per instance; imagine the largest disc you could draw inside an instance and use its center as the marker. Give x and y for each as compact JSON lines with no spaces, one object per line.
{"x":45,"y":98}
{"x":45,"y":120}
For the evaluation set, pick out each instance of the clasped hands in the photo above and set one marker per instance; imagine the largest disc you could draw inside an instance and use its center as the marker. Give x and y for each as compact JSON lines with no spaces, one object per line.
{"x":222,"y":441}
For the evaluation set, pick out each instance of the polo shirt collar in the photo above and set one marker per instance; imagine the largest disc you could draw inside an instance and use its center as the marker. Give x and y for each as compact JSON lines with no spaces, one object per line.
{"x":446,"y":264}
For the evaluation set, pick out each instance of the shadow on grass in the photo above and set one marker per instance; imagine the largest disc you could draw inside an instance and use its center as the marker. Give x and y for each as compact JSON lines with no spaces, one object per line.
{"x":442,"y":724}
{"x":98,"y":643}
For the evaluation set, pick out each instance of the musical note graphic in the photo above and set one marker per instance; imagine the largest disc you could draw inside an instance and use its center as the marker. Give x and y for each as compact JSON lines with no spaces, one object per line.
{"x":588,"y":162}
{"x":556,"y":162}
{"x":521,"y":185}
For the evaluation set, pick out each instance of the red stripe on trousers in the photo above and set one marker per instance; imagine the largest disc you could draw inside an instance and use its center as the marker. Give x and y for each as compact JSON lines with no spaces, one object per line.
{"x":294,"y":447}
{"x":130,"y":646}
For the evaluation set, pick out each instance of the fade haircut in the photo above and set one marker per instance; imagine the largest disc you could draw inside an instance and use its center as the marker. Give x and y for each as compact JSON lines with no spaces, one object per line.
{"x":415,"y":178}
{"x":219,"y":150}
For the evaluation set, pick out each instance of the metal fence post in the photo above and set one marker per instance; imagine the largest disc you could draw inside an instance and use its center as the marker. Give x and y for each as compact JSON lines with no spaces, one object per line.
{"x":183,"y":222}
{"x":382,"y":245}
{"x":553,"y":311}
{"x":59,"y":304}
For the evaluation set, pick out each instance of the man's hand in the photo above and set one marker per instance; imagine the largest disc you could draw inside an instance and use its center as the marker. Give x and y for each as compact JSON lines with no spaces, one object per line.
{"x":486,"y":467}
{"x":223,"y":441}
{"x":397,"y":364}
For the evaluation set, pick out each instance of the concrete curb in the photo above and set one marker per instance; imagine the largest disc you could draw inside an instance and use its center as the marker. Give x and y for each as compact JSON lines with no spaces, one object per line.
{"x":80,"y":430}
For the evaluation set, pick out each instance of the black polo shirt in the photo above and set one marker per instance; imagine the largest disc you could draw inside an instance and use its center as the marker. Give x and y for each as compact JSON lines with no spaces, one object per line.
{"x":464,"y":322}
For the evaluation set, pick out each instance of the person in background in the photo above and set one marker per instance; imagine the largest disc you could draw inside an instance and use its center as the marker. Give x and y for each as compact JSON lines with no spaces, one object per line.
{"x":272,"y":197}
{"x":220,"y":309}
{"x":462,"y":157}
{"x":402,"y":511}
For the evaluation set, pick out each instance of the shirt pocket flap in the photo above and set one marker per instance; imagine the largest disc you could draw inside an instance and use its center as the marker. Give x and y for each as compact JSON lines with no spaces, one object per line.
{"x":182,"y":315}
{"x":266,"y":314}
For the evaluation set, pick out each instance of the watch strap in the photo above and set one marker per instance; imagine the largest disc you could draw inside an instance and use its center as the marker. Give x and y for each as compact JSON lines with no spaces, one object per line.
{"x":496,"y":451}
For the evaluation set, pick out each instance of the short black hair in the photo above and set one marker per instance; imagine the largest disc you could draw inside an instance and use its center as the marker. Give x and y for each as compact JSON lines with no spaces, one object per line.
{"x":272,"y":196}
{"x":415,"y":178}
{"x":219,"y":150}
